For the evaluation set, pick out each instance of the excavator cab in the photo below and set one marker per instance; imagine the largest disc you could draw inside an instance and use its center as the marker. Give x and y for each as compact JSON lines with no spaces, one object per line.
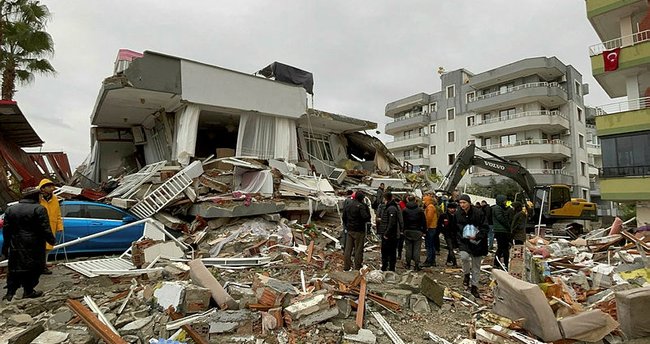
{"x":558,"y":204}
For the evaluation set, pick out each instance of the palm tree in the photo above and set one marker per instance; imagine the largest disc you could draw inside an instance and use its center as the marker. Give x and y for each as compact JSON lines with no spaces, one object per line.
{"x":23,"y":43}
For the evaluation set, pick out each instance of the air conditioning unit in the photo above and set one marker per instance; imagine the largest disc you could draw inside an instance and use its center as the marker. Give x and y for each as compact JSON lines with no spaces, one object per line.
{"x":567,"y":132}
{"x":337,"y":175}
{"x":563,"y":78}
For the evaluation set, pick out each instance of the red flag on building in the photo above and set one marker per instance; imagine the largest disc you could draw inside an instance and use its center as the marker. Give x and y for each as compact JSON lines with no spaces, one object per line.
{"x":610,"y":58}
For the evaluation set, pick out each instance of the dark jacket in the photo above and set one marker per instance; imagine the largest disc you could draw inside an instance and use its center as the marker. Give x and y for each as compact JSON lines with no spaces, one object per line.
{"x":487,"y":210}
{"x":518,"y":226}
{"x":355,"y":216}
{"x":381,"y":225}
{"x":26,"y":230}
{"x":501,"y":216}
{"x":479,"y":246}
{"x":379,"y":198}
{"x":414,"y":221}
{"x":390,"y":220}
{"x":447,"y":224}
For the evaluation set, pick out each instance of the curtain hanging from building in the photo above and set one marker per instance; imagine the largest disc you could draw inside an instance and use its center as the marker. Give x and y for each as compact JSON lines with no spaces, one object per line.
{"x":187,"y":124}
{"x":267,"y":137}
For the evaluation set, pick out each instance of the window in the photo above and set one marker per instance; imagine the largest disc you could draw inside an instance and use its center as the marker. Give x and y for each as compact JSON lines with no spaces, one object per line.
{"x":451,"y":113}
{"x":626,"y":155}
{"x":451,"y":136}
{"x":451,"y":158}
{"x":557,"y":165}
{"x":471,"y":142}
{"x":583,"y":169}
{"x":578,"y":88}
{"x":432,"y":128}
{"x":506,"y":114}
{"x":434,"y":170}
{"x":581,"y":140}
{"x":579,"y":114}
{"x":585,"y":194}
{"x":408,"y":133}
{"x":487,"y":141}
{"x":420,"y":152}
{"x":318,"y":146}
{"x":407,"y":154}
{"x":469,"y":97}
{"x":508,"y":140}
{"x":101,"y":212}
{"x":421,"y":131}
{"x":470,"y":121}
{"x":433,"y":107}
{"x":72,"y":210}
{"x":432,"y":150}
{"x":451,"y":91}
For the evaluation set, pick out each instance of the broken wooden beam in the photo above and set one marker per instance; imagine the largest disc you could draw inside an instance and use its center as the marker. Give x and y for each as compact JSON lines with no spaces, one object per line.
{"x":362,"y":303}
{"x":88,"y":317}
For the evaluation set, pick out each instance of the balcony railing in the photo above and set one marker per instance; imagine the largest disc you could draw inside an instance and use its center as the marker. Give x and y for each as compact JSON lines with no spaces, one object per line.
{"x":516,"y":88}
{"x":592,"y":145}
{"x":624,"y":171}
{"x":620,"y":42}
{"x":520,"y":115}
{"x":527,"y":142}
{"x":410,"y":115}
{"x":624,"y":106}
{"x":408,"y":137}
{"x":414,"y":156}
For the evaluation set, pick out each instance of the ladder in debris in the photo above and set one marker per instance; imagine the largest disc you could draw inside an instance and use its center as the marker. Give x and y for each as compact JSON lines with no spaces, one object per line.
{"x":165,"y":193}
{"x":132,"y":182}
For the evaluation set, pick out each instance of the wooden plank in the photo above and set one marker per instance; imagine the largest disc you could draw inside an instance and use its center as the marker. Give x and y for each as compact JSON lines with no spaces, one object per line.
{"x":103,"y":331}
{"x":362,"y":303}
{"x":310,"y":251}
{"x":197,"y":337}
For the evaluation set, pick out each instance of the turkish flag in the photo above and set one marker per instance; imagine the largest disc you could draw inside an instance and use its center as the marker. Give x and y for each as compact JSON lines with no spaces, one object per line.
{"x":610,"y":58}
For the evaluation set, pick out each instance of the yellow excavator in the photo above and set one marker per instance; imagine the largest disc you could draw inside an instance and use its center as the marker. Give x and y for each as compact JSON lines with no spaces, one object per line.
{"x":554,"y":201}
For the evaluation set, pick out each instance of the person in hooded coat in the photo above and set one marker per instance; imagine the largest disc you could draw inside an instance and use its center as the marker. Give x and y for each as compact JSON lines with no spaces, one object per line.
{"x":25,"y":232}
{"x":502,"y":220}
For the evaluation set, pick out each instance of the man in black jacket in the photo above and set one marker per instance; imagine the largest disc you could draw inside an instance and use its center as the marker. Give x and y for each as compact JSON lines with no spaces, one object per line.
{"x":26,"y":230}
{"x":473,"y":232}
{"x":415,"y":225}
{"x":448,"y":227}
{"x":390,"y":224}
{"x":355,"y":217}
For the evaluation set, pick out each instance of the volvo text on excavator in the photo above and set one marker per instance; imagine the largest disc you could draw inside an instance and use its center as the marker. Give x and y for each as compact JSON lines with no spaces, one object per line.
{"x":557,"y":203}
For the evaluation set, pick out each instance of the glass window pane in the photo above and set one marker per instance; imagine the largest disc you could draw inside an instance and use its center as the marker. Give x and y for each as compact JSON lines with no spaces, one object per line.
{"x":99,"y":212}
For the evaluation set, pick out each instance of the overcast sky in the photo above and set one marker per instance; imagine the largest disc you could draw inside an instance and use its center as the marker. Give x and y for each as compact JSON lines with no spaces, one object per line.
{"x":363,"y":54}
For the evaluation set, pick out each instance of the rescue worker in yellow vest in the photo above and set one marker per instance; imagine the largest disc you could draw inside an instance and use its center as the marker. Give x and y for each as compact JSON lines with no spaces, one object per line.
{"x":51,"y":204}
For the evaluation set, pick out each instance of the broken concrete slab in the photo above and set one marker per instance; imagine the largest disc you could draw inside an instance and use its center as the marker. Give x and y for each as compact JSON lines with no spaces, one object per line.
{"x":229,"y":320}
{"x":364,"y":336}
{"x":137,"y":326}
{"x":432,"y":290}
{"x":22,"y":336}
{"x":419,"y":304}
{"x":170,"y":294}
{"x":59,"y":319}
{"x":411,"y":281}
{"x":315,"y":318}
{"x":345,"y":309}
{"x":391,"y":277}
{"x":51,"y":337}
{"x":21,"y":320}
{"x":399,"y":296}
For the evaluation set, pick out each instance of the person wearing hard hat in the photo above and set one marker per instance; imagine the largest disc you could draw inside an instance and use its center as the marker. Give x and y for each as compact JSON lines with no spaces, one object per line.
{"x":51,"y":204}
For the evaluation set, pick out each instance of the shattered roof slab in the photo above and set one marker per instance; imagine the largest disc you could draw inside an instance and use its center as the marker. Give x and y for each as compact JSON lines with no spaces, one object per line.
{"x":15,"y":127}
{"x":334,"y":122}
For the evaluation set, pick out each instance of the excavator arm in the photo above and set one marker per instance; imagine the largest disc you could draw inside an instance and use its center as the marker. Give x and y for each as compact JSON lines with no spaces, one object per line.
{"x":467,"y":158}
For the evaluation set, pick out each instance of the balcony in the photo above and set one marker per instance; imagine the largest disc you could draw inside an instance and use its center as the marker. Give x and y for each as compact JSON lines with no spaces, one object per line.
{"x":405,"y":142}
{"x":549,"y":94}
{"x":623,"y":117}
{"x":548,"y":149}
{"x":625,"y":171}
{"x":550,"y":121}
{"x":633,"y":58}
{"x":417,"y":160}
{"x":604,"y":15}
{"x":542,"y":176}
{"x":550,"y":67}
{"x":593,"y":149}
{"x":406,"y":104}
{"x":411,"y":121}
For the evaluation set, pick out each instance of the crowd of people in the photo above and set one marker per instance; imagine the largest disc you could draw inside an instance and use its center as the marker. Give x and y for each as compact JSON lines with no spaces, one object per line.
{"x":402,"y":223}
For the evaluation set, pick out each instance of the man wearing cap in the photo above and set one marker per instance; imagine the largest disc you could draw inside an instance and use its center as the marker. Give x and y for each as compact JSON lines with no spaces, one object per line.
{"x":25,"y":232}
{"x":51,"y":204}
{"x":473,"y":232}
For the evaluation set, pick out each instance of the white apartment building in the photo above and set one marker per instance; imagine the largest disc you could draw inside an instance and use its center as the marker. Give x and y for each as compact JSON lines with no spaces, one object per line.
{"x":530,"y":111}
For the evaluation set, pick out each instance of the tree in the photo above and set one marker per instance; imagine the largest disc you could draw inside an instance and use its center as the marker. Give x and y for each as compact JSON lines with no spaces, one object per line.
{"x":506,"y":187}
{"x":24,"y":43}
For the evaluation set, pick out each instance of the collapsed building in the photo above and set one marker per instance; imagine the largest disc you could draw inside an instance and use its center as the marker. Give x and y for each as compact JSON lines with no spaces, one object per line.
{"x":157,"y":107}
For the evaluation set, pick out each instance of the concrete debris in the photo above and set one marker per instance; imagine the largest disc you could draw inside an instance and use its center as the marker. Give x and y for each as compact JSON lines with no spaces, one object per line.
{"x":363,"y":336}
{"x":51,"y":337}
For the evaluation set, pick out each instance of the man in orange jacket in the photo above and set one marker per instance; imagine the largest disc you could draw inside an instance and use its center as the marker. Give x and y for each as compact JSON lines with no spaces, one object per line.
{"x":51,"y":204}
{"x":431,"y":214}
